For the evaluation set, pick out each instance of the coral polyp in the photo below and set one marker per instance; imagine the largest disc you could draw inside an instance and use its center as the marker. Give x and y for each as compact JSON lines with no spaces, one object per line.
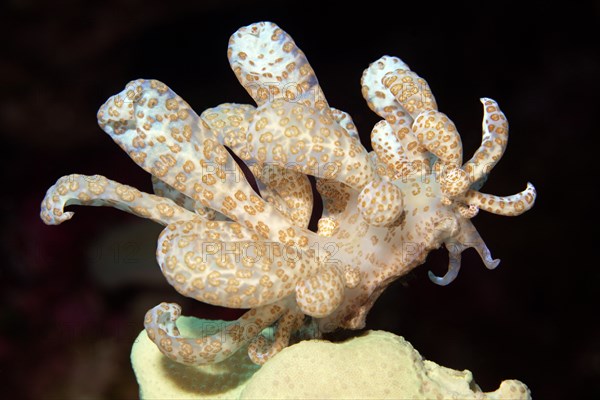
{"x":226,"y":244}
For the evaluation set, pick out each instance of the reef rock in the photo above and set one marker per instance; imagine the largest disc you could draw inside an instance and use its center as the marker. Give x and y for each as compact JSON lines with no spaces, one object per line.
{"x":377,"y":365}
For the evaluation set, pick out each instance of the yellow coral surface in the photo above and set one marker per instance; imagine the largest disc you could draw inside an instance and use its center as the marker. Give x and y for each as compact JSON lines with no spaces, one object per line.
{"x":377,"y":365}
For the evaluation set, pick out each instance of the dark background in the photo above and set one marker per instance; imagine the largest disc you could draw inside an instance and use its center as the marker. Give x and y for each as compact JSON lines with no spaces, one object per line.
{"x":73,"y":297}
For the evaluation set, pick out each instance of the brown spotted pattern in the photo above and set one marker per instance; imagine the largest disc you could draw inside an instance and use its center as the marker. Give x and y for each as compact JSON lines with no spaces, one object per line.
{"x":226,"y":264}
{"x":410,"y":90}
{"x":390,"y":152}
{"x":163,"y":189}
{"x":380,"y":203}
{"x":383,"y":102}
{"x":260,"y":351}
{"x":270,"y":66}
{"x":309,"y":141}
{"x":345,"y":121}
{"x":227,"y":245}
{"x":322,"y":292}
{"x":438,"y":134}
{"x":513,"y":205}
{"x":97,"y":190}
{"x":229,"y":125}
{"x":327,"y":226}
{"x":493,"y":142}
{"x":160,"y":323}
{"x":288,"y":190}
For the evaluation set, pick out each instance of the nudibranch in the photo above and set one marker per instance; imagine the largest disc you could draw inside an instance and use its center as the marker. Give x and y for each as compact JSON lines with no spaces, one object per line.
{"x":228,"y":245}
